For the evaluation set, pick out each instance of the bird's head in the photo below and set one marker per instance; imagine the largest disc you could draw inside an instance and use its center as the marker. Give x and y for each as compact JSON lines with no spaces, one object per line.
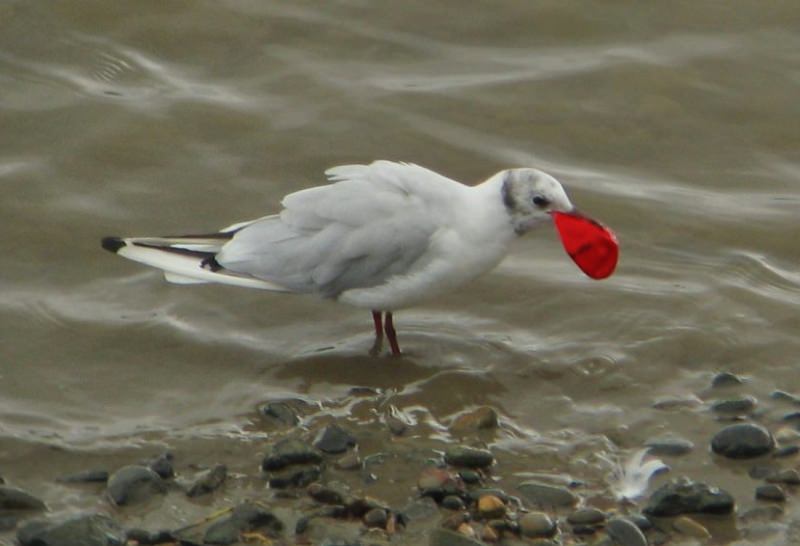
{"x":531,"y":196}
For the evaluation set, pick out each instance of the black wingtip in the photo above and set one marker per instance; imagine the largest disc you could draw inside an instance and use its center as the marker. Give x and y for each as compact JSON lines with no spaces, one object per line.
{"x":112,"y":244}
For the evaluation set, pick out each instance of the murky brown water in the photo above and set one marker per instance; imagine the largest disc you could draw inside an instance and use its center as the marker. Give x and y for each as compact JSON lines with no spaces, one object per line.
{"x":676,"y":124}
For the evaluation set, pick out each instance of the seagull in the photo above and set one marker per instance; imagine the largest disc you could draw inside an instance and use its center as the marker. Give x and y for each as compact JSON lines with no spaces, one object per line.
{"x":382,"y":237}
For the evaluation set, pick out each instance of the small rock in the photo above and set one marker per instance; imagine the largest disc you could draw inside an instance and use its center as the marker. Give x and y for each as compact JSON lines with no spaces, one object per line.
{"x":536,"y":524}
{"x":785,"y":396}
{"x":86,"y":476}
{"x":787,"y":435}
{"x":761,"y":513}
{"x":83,"y":530}
{"x":761,"y":471}
{"x":446,"y":537}
{"x":770,"y":492}
{"x":491,"y":507}
{"x":12,"y":498}
{"x":327,"y":494}
{"x":684,"y":496}
{"x":540,"y":494}
{"x":742,"y":441}
{"x":483,"y":418}
{"x":377,"y":517}
{"x":786,"y":451}
{"x":134,"y":484}
{"x":349,"y":461}
{"x":690,"y":528}
{"x":334,"y":439}
{"x":792,"y":417}
{"x":295,"y":476}
{"x":280,"y":413}
{"x":419,"y":510}
{"x":438,"y":483}
{"x":147,"y":538}
{"x":676,"y":402}
{"x":245,"y":518}
{"x":208,"y":481}
{"x":625,"y":533}
{"x":288,"y":452}
{"x":163,"y":465}
{"x":466,"y":530}
{"x":470,"y":477}
{"x":789,"y":476}
{"x":396,"y":426}
{"x":669,"y":445}
{"x":737,"y":406}
{"x":453,"y":502}
{"x":489,"y":534}
{"x":641,"y":521}
{"x":586,"y":516}
{"x":726,"y":379}
{"x":470,"y":457}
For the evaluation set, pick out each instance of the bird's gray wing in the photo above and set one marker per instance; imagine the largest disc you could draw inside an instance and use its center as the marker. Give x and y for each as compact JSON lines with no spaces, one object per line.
{"x":356,"y":233}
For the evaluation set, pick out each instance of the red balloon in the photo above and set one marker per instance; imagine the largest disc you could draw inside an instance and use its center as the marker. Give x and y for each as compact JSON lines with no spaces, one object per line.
{"x":590,"y":244}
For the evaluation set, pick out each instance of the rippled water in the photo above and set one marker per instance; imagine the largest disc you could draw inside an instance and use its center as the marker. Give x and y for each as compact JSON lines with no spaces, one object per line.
{"x":678,"y":125}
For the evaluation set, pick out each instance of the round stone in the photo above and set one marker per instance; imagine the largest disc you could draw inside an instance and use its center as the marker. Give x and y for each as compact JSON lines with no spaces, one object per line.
{"x":586,"y":516}
{"x":770,"y":492}
{"x":490,"y":507}
{"x":625,"y":533}
{"x":471,"y":457}
{"x":742,"y":441}
{"x":536,"y":524}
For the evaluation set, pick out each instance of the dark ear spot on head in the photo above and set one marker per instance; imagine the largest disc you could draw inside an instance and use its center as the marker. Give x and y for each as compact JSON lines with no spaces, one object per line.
{"x":508,"y":199}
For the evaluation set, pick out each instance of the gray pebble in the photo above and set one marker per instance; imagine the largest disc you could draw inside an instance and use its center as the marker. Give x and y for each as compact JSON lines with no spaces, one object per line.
{"x":83,"y":530}
{"x":786,"y":451}
{"x":446,"y":537}
{"x":625,"y":533}
{"x":281,"y":413}
{"x":544,"y":495}
{"x":208,"y":481}
{"x":134,"y":484}
{"x":334,"y":439}
{"x":245,"y":517}
{"x":785,"y":396}
{"x":770,"y":492}
{"x":288,"y":452}
{"x":726,"y":379}
{"x":669,"y":445}
{"x":470,"y":457}
{"x":789,"y":476}
{"x":586,"y":516}
{"x":684,"y":496}
{"x":452,"y":502}
{"x":295,"y":476}
{"x":738,"y":406}
{"x":536,"y":524}
{"x":377,"y":517}
{"x":162,"y":465}
{"x":742,"y":441}
{"x":12,"y":498}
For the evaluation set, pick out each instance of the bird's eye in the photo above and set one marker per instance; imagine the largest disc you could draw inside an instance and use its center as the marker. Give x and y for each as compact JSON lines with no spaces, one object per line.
{"x":540,"y":201}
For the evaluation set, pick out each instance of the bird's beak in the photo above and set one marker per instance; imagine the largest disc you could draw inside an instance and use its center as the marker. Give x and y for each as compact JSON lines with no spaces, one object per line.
{"x":590,"y":244}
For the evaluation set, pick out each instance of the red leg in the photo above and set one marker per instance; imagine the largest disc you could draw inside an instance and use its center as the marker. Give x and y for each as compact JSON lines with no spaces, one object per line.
{"x":376,"y":318}
{"x":391,"y":334}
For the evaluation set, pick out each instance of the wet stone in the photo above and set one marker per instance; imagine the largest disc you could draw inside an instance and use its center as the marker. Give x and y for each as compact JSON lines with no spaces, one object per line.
{"x":376,"y":517}
{"x":690,"y":528}
{"x":327,"y":494}
{"x":742,"y":441}
{"x":134,"y":484}
{"x":490,"y":507}
{"x":446,"y":537}
{"x":453,"y":502}
{"x":483,"y":418}
{"x":625,"y":533}
{"x":421,"y":509}
{"x":470,"y":457}
{"x":641,"y":521}
{"x":470,"y":477}
{"x":280,"y":413}
{"x":770,"y":492}
{"x":788,"y":476}
{"x":12,"y":498}
{"x":86,"y":476}
{"x":438,"y":483}
{"x":586,"y":516}
{"x":669,"y":445}
{"x":735,"y":406}
{"x":289,"y":452}
{"x":544,"y":495}
{"x":762,"y":471}
{"x":677,"y":402}
{"x":163,"y":465}
{"x":334,"y":439}
{"x":726,"y":379}
{"x":761,"y":513}
{"x":536,"y":524}
{"x":684,"y":496}
{"x":245,"y":518}
{"x":208,"y":481}
{"x":792,"y":417}
{"x":349,"y":461}
{"x":83,"y":530}
{"x":786,"y":451}
{"x":148,"y":538}
{"x":785,"y":397}
{"x":295,"y":476}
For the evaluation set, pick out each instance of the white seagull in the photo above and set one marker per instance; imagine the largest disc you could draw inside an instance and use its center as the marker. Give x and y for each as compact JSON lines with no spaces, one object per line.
{"x":382,"y":236}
